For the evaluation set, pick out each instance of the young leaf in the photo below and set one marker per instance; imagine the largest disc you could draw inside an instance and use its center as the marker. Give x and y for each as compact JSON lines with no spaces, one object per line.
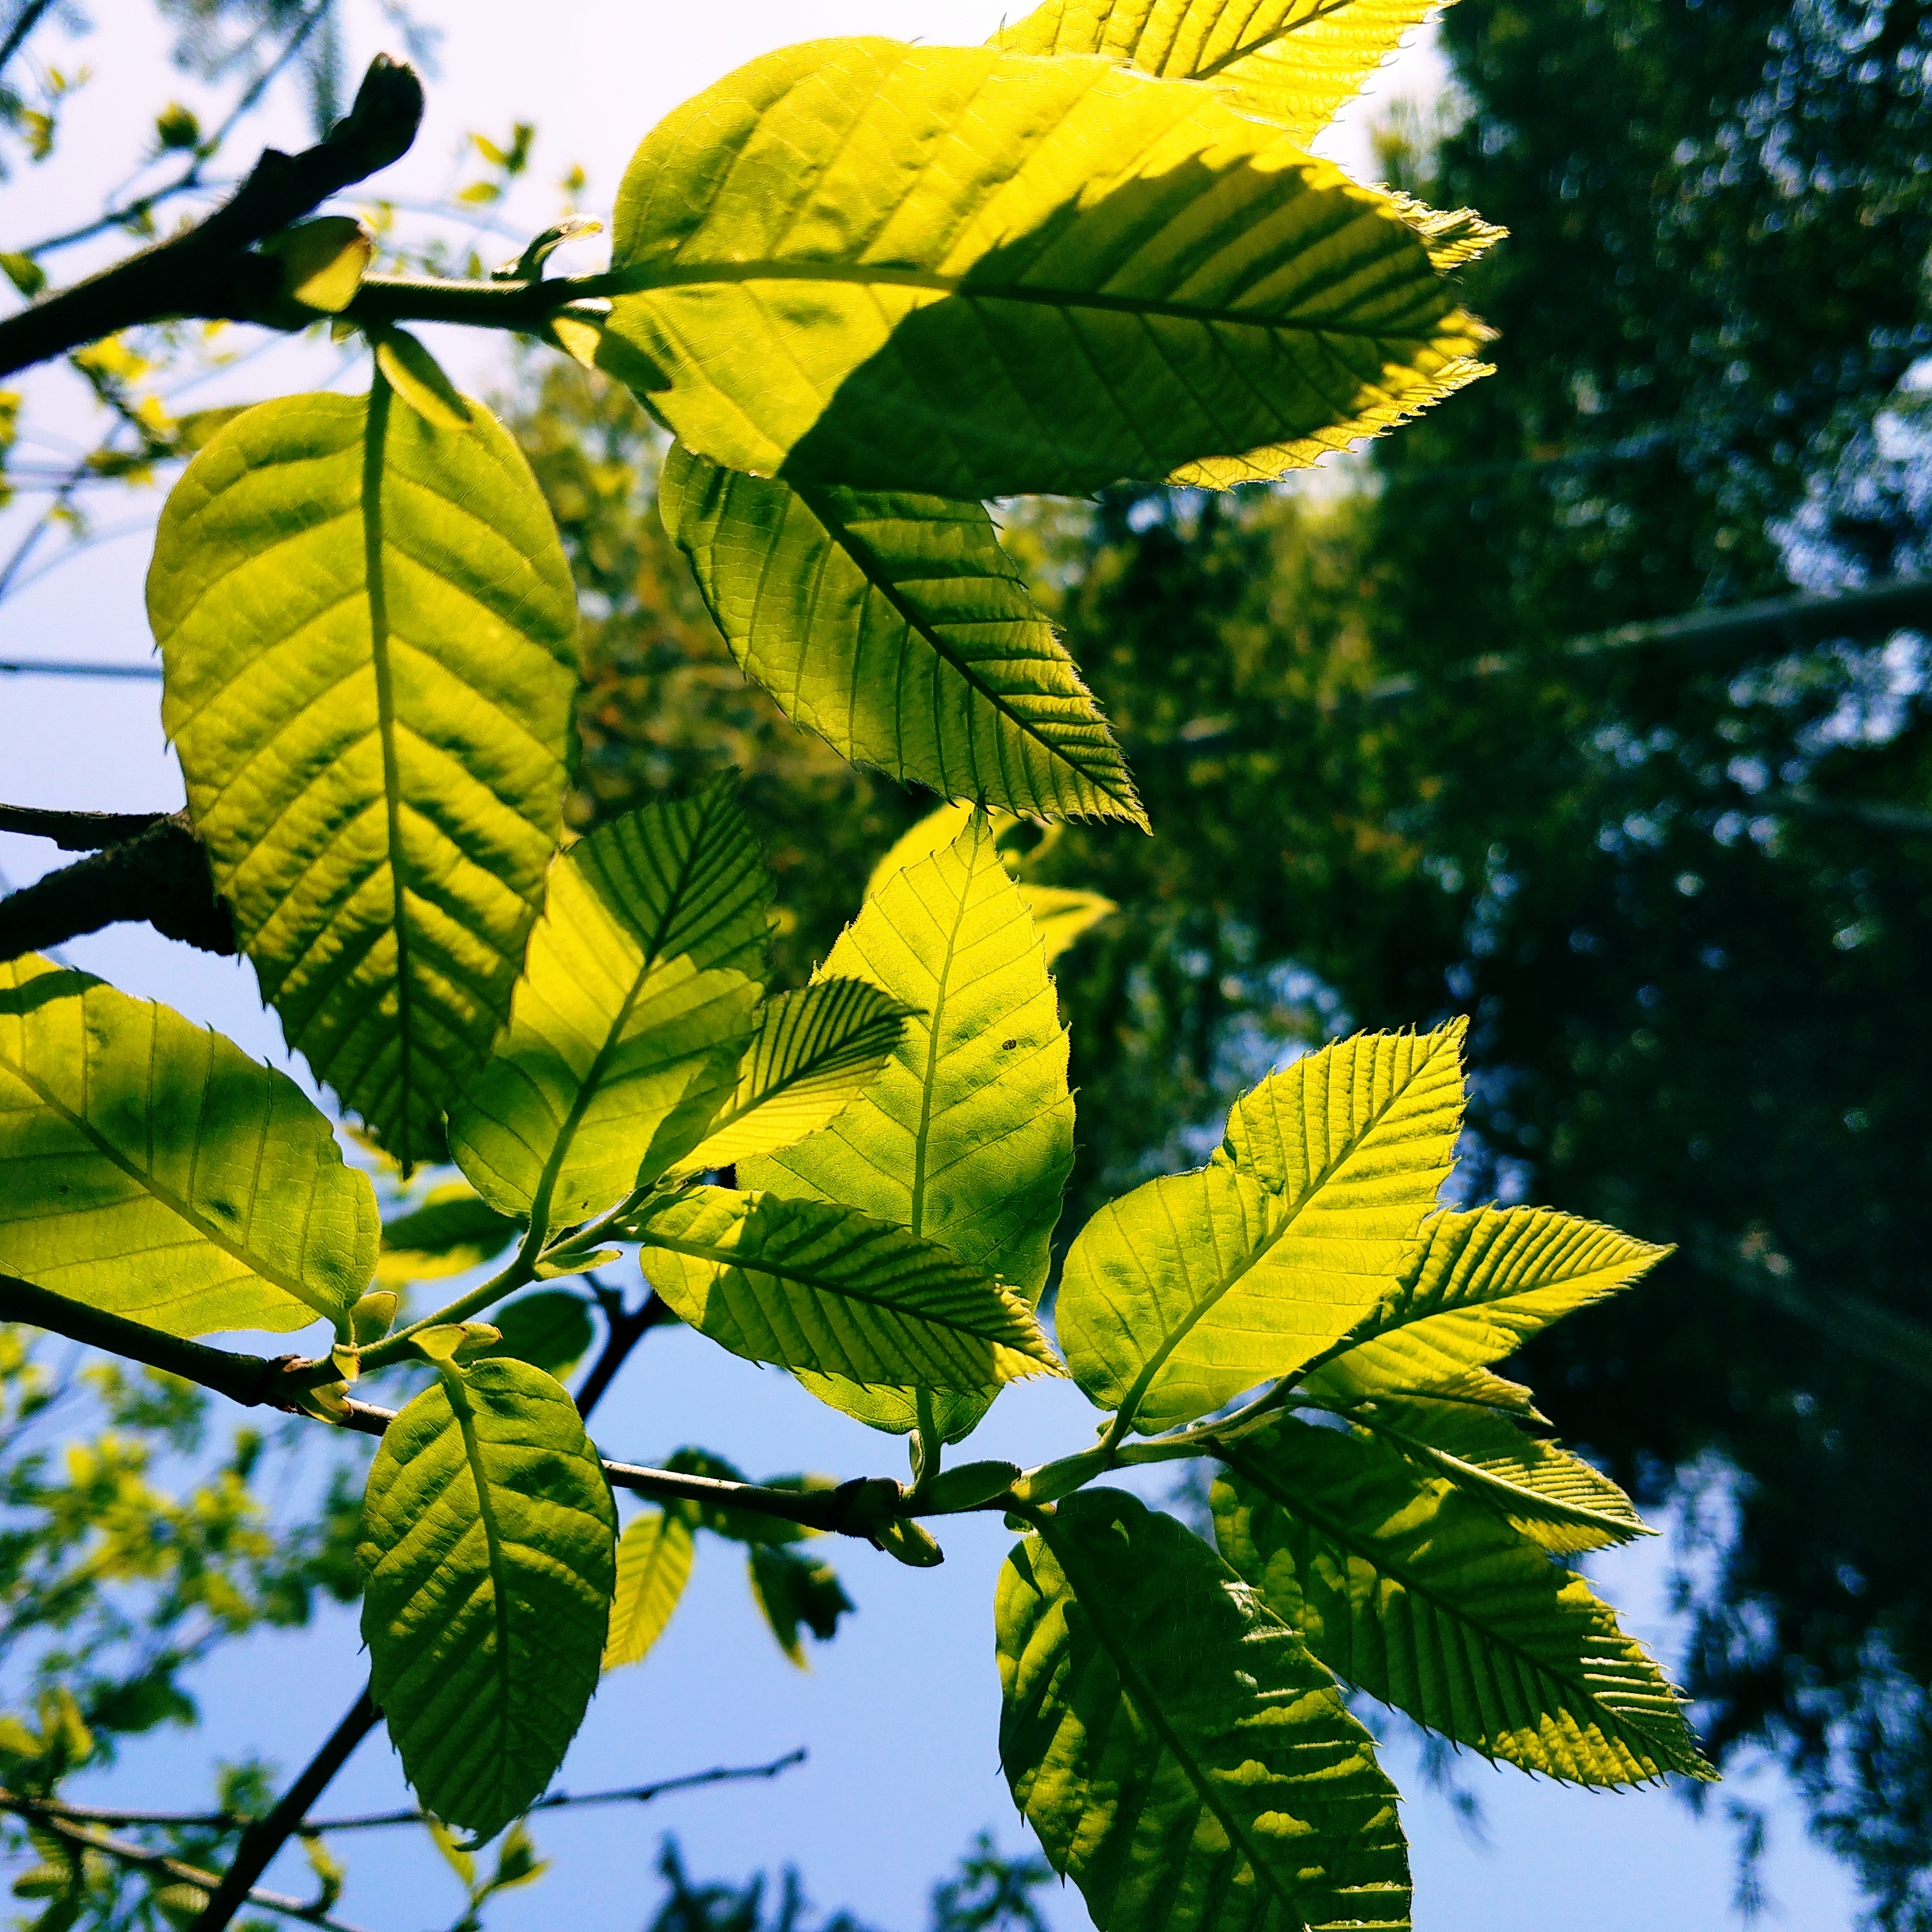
{"x":1555,"y":1498}
{"x":416,"y":376}
{"x":488,"y":1546}
{"x":636,"y":1003}
{"x":653,"y":1566}
{"x":550,"y":1330}
{"x":1483,"y":1282}
{"x":967,"y":1137}
{"x":1197,"y":1286}
{"x":791,"y":1589}
{"x":811,"y":1285}
{"x":974,"y":273}
{"x":368,"y":634}
{"x":896,"y":628}
{"x":149,"y":1167}
{"x":1429,"y":1600}
{"x":1184,"y":1760}
{"x":1292,"y":62}
{"x":454,"y":1229}
{"x":815,"y":1052}
{"x":1062,"y":915}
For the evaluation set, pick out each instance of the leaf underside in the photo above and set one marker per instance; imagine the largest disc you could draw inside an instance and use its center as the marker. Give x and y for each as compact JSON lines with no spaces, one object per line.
{"x":967,"y":1137}
{"x":635,"y":1005}
{"x":812,"y":1285}
{"x":149,"y":1167}
{"x":1428,"y":1599}
{"x":488,"y":1550}
{"x":654,"y":1558}
{"x":369,"y":662}
{"x":978,"y":274}
{"x":453,"y":1229}
{"x":1196,"y":1287}
{"x":895,"y":627}
{"x":1184,"y":1758}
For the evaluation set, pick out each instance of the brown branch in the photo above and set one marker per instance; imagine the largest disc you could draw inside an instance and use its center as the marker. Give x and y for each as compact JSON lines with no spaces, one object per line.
{"x":208,"y":269}
{"x":79,"y":831}
{"x":159,"y":875}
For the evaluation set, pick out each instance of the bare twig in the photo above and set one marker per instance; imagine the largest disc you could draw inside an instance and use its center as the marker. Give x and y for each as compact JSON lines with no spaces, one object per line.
{"x":78,"y":831}
{"x":29,"y":17}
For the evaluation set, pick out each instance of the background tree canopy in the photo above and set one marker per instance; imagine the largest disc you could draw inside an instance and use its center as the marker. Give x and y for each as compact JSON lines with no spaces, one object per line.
{"x":1683,"y":891}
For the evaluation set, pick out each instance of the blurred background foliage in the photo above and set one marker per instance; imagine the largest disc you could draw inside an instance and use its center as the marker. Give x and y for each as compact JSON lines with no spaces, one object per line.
{"x":1685,"y":894}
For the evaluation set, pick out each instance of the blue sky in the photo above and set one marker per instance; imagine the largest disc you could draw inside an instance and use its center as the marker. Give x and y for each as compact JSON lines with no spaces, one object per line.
{"x":900,"y":1713}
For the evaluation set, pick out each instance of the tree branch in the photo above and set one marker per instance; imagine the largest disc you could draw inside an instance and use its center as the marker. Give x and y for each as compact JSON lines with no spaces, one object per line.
{"x":208,"y":270}
{"x":63,"y":1822}
{"x":79,"y":831}
{"x":159,"y":875}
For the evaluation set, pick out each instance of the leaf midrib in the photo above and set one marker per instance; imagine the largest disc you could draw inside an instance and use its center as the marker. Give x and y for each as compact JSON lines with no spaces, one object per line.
{"x":1138,"y":1389}
{"x":941,"y":980}
{"x":1149,"y":1706}
{"x":1377,"y":1556}
{"x":458,"y":1398}
{"x":648,"y":280}
{"x":846,"y":538}
{"x":1248,"y":50}
{"x":290,"y":1284}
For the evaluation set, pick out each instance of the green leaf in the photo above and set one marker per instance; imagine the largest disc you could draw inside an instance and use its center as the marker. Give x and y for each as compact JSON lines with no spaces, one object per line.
{"x":742,"y":1526}
{"x":323,"y":262}
{"x":896,"y":628}
{"x":1184,"y":1760}
{"x":967,"y":1137}
{"x":1555,"y":1498}
{"x":791,"y":1589}
{"x":1292,"y":62}
{"x":550,"y":1330}
{"x":636,"y":1004}
{"x":975,"y":273}
{"x":1483,"y":1282}
{"x":368,"y":633}
{"x":1197,"y":1286}
{"x":454,"y":1229}
{"x":815,"y":1052}
{"x":487,"y":1547}
{"x":653,"y":1566}
{"x":811,"y":1285}
{"x":416,"y":376}
{"x":149,"y":1167}
{"x":1062,"y":914}
{"x":1428,"y":1599}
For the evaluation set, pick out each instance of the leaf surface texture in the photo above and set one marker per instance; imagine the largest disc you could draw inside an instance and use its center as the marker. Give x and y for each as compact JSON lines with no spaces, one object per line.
{"x":149,"y":1167}
{"x":654,"y":1559}
{"x":368,"y":637}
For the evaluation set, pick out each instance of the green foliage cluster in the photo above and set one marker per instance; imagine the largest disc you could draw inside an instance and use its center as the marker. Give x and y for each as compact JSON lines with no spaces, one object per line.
{"x":867,"y":286}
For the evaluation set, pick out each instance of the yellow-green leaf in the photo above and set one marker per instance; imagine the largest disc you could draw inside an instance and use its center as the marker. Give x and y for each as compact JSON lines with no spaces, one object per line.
{"x":1184,"y":1760}
{"x":811,"y":1284}
{"x":975,"y":273}
{"x":149,"y":1167}
{"x":1292,"y":62}
{"x":487,"y":1546}
{"x":454,"y":1229}
{"x":1061,"y":915}
{"x":368,"y":635}
{"x":416,"y":376}
{"x":1197,"y":1286}
{"x":636,"y":1004}
{"x":323,"y":262}
{"x":1421,"y":1596}
{"x":967,"y":1137}
{"x":895,"y":627}
{"x":816,"y":1051}
{"x":653,"y":1566}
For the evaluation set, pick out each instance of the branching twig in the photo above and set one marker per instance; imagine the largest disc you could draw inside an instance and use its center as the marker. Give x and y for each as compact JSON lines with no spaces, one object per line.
{"x":208,"y":270}
{"x":79,"y":831}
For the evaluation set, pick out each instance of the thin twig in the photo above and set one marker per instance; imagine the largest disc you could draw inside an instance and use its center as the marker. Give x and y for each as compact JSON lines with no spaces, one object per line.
{"x":30,"y":17}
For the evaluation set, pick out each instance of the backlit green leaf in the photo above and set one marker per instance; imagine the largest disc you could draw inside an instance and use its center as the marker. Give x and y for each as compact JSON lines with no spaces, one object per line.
{"x":636,"y":1004}
{"x":454,"y":1229}
{"x":488,"y":1548}
{"x":815,"y":1052}
{"x":1062,"y":915}
{"x":1293,"y":62}
{"x":1197,"y":1286}
{"x":368,"y":635}
{"x":791,"y":1589}
{"x":811,"y":1284}
{"x":1428,"y":1599}
{"x":974,"y":273}
{"x":149,"y":1167}
{"x":550,"y":1330}
{"x":653,"y":1566}
{"x":896,"y":628}
{"x":967,"y":1137}
{"x":1184,"y":1760}
{"x":1481,"y":1284}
